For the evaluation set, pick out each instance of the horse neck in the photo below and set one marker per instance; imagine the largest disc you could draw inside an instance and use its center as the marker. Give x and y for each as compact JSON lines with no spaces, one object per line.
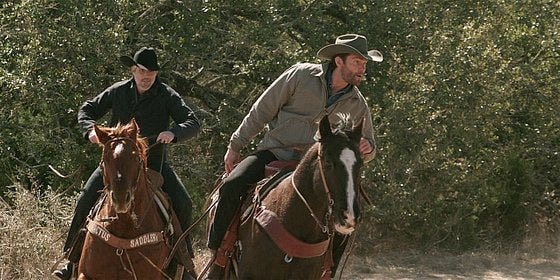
{"x":307,"y":179}
{"x":137,"y":216}
{"x":294,"y":213}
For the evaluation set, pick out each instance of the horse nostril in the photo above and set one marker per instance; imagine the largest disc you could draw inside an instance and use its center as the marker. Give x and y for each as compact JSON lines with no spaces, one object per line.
{"x":113,"y":196}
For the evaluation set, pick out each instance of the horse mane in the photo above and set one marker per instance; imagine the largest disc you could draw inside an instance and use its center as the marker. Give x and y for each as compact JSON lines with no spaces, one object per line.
{"x":125,"y":130}
{"x":344,"y":124}
{"x":342,"y":128}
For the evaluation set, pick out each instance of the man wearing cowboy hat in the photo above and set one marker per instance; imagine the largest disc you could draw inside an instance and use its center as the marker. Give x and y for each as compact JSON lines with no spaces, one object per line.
{"x":291,"y":108}
{"x":152,"y":104}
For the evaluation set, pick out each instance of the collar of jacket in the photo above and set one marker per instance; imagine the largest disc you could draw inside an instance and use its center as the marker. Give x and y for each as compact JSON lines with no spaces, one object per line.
{"x":150,"y":92}
{"x":321,"y":72}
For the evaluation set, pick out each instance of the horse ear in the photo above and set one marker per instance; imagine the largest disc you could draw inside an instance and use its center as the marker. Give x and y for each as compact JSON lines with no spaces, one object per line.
{"x":133,"y":128}
{"x":325,"y":128}
{"x":356,"y":133}
{"x":102,"y":134}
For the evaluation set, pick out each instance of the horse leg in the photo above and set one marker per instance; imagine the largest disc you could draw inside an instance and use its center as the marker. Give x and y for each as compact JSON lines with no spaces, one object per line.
{"x":188,"y":275}
{"x":173,"y":268}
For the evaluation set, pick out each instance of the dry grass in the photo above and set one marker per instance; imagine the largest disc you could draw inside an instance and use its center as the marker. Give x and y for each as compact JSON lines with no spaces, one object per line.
{"x":33,"y":224}
{"x":438,"y":265}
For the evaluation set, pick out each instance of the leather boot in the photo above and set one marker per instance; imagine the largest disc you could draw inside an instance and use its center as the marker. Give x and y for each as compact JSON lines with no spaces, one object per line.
{"x":65,"y":272}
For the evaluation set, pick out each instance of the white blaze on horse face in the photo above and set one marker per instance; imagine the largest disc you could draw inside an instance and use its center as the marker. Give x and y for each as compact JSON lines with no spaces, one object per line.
{"x":348,"y":158}
{"x":118,"y":150}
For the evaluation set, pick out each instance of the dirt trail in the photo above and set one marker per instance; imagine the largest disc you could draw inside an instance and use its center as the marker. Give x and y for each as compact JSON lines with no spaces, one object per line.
{"x":418,"y":266}
{"x":448,"y":266}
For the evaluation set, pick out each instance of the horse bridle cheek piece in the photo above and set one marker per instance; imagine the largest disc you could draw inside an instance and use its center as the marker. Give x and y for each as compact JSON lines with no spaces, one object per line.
{"x":325,"y":185}
{"x":328,"y":215}
{"x":138,"y":176}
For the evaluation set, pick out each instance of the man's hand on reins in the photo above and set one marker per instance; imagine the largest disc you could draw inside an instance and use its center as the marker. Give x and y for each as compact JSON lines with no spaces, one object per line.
{"x":365,"y":147}
{"x":92,"y":136}
{"x":165,"y":137}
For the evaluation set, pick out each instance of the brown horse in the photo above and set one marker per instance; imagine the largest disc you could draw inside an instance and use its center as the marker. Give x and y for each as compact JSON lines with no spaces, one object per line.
{"x":127,"y":238}
{"x":288,"y":233}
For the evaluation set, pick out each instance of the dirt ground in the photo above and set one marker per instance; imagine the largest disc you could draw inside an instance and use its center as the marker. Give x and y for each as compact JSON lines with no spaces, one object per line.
{"x":414,"y":265}
{"x":448,"y":266}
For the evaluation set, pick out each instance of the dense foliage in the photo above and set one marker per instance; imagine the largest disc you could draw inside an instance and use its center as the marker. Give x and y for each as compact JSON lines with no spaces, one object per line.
{"x":465,"y":104}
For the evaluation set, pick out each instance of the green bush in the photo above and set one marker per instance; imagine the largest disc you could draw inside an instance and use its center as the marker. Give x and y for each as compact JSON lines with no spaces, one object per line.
{"x":464,"y":104}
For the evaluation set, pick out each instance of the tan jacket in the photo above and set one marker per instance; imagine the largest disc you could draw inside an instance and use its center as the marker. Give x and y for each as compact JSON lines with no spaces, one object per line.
{"x":292,"y":107}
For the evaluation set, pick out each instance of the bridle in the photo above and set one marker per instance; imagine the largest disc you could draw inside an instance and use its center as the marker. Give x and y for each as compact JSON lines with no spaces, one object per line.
{"x":141,"y":164}
{"x":126,"y":139}
{"x":328,"y":215}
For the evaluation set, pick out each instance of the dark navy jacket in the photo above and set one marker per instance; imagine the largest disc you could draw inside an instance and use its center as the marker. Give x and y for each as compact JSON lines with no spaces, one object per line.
{"x":153,"y":111}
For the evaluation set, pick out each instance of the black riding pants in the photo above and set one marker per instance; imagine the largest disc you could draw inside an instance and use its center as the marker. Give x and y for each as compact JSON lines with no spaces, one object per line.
{"x":172,"y":185}
{"x":248,"y":172}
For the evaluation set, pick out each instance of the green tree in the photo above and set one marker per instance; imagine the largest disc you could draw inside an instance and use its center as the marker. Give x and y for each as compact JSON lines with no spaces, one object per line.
{"x":464,"y":104}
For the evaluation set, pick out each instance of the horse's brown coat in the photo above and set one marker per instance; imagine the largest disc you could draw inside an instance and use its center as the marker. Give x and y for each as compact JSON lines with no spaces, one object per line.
{"x":102,"y":261}
{"x":260,"y":258}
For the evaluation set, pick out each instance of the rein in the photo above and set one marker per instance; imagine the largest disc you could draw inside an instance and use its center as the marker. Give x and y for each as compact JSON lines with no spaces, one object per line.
{"x":123,"y":245}
{"x":324,"y":226}
{"x":141,"y":162}
{"x":162,"y":155}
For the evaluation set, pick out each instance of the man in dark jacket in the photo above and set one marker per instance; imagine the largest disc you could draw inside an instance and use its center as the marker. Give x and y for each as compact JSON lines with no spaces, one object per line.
{"x":153,"y":104}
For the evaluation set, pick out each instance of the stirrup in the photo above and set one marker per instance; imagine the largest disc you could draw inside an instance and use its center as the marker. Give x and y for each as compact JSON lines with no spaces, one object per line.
{"x":65,"y":272}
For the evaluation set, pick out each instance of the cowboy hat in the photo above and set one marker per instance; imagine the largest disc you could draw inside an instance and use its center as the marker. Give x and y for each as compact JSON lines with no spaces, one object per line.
{"x":350,"y":43}
{"x":144,"y":58}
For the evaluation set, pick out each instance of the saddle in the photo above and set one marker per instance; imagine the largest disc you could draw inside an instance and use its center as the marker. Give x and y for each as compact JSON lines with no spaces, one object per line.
{"x":275,"y":172}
